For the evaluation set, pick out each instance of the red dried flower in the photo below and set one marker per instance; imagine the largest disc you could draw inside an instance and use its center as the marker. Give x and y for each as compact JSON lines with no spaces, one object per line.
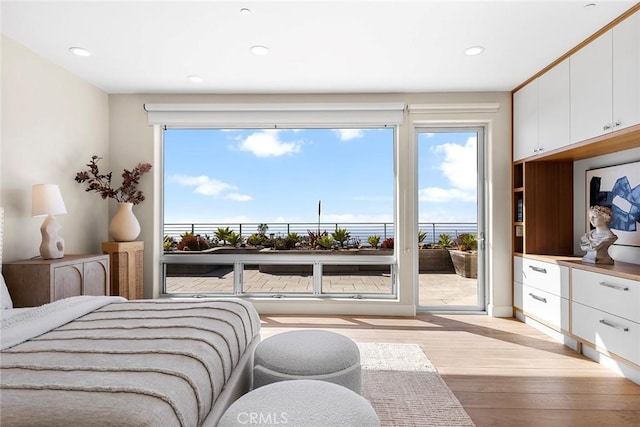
{"x":101,"y":183}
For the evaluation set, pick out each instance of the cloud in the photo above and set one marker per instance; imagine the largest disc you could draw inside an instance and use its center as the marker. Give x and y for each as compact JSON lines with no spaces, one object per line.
{"x":447,"y":215}
{"x":459,"y":165}
{"x":267,"y":143}
{"x":443,"y":195}
{"x":209,"y":187}
{"x":459,"y":168}
{"x":203,"y":184}
{"x":347,"y":134}
{"x":238,"y":197}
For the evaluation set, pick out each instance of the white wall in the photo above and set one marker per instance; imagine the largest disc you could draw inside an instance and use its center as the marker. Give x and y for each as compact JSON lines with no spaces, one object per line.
{"x":52,"y":122}
{"x":617,"y":252}
{"x":132,"y":141}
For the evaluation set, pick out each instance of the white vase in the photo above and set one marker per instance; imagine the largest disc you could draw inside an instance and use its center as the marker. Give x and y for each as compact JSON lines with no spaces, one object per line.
{"x":124,"y":226}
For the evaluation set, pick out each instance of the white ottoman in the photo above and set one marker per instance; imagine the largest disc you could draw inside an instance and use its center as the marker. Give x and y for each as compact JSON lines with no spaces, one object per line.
{"x":311,"y":355}
{"x":301,"y":403}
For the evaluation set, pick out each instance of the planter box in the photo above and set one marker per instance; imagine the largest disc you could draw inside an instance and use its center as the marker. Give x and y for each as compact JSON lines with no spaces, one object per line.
{"x":435,"y":260}
{"x":465,"y":263}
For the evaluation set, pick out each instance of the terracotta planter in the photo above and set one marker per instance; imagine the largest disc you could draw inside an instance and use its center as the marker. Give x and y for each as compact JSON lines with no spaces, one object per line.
{"x":124,"y":226}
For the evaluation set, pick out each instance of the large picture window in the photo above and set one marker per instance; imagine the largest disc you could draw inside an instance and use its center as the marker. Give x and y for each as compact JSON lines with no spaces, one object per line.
{"x":279,"y":211}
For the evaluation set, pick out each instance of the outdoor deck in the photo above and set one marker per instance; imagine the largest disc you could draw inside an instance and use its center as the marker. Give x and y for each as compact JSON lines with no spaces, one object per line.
{"x":436,"y":289}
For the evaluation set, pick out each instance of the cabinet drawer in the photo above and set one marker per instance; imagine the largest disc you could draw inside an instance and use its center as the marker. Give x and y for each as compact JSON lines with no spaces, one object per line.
{"x":615,"y":334}
{"x":545,"y":306}
{"x":546,"y":276}
{"x":607,"y":293}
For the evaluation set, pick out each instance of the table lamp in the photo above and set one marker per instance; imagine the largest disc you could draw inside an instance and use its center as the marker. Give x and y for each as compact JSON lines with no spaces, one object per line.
{"x":47,"y":200}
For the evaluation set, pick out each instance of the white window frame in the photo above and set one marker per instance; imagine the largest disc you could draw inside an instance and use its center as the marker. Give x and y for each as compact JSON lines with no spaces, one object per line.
{"x":285,"y":115}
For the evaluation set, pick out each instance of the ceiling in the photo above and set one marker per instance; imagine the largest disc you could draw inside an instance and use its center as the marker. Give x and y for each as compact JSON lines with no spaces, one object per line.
{"x":328,"y":46}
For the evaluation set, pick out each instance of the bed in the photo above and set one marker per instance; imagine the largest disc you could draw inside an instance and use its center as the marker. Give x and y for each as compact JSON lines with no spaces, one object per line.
{"x":108,"y":361}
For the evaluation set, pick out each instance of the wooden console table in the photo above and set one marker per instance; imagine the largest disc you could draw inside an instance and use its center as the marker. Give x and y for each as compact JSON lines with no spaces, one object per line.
{"x":127,"y":262}
{"x":36,"y":281}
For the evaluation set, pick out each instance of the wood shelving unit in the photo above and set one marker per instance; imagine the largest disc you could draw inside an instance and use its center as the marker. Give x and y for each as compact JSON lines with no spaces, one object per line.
{"x":543,"y":207}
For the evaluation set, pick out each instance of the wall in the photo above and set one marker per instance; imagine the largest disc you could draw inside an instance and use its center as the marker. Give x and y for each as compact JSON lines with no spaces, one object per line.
{"x":132,"y":140}
{"x":617,"y":252}
{"x":52,"y":122}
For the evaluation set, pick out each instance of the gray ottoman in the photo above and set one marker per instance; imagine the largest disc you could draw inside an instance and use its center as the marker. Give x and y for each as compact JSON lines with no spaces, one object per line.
{"x":311,"y":355}
{"x":301,"y":403}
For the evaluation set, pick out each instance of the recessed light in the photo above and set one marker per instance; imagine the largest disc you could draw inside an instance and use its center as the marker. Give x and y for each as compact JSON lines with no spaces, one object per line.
{"x":473,"y":50}
{"x":245,"y":11}
{"x":259,"y":50}
{"x":195,"y":79}
{"x":589,"y":5}
{"x":79,"y":51}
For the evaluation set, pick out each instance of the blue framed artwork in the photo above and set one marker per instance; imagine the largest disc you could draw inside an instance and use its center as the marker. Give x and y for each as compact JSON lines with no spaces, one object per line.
{"x":617,"y":187}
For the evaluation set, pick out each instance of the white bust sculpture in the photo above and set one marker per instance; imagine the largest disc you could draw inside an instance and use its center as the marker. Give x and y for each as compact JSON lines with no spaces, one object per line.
{"x":596,"y":242}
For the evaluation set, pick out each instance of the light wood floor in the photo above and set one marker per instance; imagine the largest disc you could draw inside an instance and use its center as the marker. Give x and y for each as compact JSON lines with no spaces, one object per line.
{"x":504,"y":372}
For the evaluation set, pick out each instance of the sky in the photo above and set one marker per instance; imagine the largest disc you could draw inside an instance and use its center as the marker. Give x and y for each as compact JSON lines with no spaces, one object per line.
{"x":280,"y":175}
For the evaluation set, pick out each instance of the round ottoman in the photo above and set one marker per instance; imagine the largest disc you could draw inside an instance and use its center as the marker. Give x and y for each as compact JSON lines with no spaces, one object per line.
{"x":310,"y":355}
{"x":301,"y":403}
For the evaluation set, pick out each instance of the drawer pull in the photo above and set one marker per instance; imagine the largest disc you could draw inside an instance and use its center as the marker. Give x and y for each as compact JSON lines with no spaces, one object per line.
{"x":538,"y":269}
{"x":536,"y":297}
{"x":617,"y":287}
{"x":614,"y":326}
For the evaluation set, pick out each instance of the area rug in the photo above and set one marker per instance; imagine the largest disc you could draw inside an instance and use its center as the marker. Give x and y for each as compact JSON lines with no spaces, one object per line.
{"x":405,"y":389}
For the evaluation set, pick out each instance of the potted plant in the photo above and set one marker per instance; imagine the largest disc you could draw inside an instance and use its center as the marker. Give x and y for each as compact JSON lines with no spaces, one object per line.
{"x":124,"y":226}
{"x":465,"y":258}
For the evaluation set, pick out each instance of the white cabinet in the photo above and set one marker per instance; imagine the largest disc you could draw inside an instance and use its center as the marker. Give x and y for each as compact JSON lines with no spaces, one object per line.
{"x":626,"y":73}
{"x":541,"y":291}
{"x":554,"y":107}
{"x":525,"y":121}
{"x":615,"y":295}
{"x":606,"y":313}
{"x":605,"y":82}
{"x":591,"y":89}
{"x":607,"y":332}
{"x":541,"y":114}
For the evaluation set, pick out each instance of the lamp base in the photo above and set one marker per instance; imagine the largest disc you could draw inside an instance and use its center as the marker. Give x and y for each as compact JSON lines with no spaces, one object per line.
{"x":52,"y":246}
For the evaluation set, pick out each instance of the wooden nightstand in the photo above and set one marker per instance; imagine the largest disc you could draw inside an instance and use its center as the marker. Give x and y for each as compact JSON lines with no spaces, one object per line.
{"x":36,"y":281}
{"x":127,"y":262}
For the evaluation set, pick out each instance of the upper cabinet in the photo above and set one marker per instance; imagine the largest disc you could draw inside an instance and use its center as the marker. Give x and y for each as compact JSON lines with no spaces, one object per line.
{"x":554,"y":108}
{"x":591,"y":89}
{"x":626,"y":73}
{"x":605,"y":82}
{"x":541,"y":113}
{"x":525,"y":121}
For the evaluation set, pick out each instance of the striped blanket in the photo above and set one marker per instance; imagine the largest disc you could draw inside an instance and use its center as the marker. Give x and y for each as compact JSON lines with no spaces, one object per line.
{"x":126,"y":363}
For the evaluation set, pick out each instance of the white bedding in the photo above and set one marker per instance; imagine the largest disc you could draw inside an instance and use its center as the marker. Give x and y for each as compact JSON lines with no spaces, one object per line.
{"x":20,"y":325}
{"x":108,"y":361}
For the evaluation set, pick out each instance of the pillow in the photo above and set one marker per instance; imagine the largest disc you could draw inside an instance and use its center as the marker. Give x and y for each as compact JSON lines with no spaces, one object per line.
{"x":5,"y":298}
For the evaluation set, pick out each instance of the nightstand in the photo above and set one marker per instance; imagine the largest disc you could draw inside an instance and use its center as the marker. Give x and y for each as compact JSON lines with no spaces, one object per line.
{"x":37,"y":281}
{"x":127,"y":262}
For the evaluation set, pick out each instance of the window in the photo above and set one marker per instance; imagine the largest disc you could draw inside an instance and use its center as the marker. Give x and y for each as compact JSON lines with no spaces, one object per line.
{"x":291,"y":211}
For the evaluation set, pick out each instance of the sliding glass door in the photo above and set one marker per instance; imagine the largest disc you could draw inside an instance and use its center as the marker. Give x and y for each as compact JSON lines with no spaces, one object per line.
{"x":450,"y":177}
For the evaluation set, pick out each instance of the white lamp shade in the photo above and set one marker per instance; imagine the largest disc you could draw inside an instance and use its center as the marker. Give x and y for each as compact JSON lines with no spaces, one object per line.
{"x":46,"y":199}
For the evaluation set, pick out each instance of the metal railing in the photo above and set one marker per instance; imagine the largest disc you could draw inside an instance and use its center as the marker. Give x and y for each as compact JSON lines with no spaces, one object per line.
{"x":360,"y":231}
